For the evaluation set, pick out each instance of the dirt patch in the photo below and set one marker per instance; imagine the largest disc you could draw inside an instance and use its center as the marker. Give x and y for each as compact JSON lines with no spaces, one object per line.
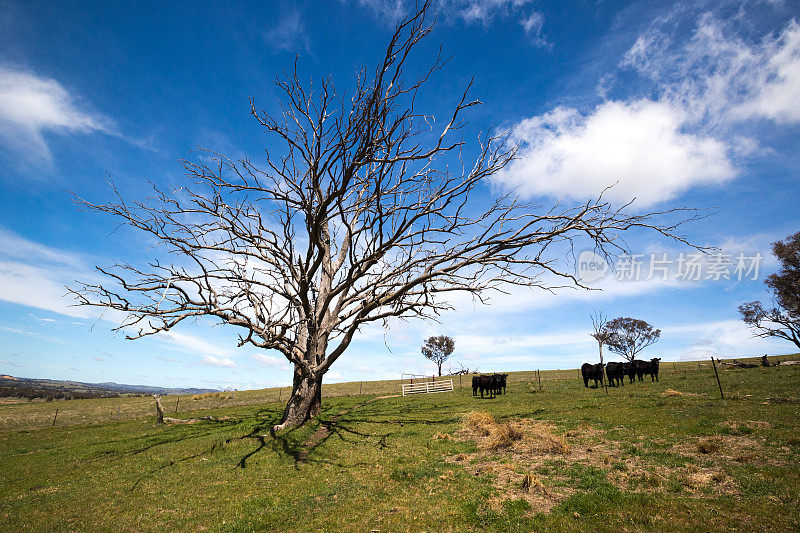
{"x":538,"y":463}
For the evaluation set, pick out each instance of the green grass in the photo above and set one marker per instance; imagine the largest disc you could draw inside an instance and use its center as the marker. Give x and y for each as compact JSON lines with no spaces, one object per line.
{"x":379,"y":467}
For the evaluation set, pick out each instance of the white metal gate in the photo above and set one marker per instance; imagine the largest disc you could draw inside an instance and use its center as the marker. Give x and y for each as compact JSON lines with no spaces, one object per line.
{"x":428,"y":387}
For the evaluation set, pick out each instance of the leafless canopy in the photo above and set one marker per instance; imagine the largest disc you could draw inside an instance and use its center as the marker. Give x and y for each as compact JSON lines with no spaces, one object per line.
{"x":600,"y":332}
{"x":356,"y":217}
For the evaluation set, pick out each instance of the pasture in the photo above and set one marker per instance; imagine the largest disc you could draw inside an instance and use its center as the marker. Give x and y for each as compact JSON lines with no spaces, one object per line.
{"x":650,"y":456}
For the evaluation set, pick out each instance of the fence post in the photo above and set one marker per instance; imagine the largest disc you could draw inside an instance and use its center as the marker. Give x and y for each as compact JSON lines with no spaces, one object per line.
{"x":279,"y":394}
{"x":118,"y":408}
{"x":722,"y":394}
{"x":177,"y":403}
{"x":360,"y":387}
{"x":54,"y":418}
{"x":539,"y":377}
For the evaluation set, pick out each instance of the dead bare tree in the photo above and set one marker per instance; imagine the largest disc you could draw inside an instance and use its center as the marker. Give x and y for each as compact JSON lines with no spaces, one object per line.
{"x":601,"y":333}
{"x":356,"y":220}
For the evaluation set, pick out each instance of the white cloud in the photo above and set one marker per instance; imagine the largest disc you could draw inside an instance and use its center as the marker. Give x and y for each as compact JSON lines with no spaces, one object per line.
{"x":210,"y":360}
{"x":726,"y":338}
{"x":35,"y":275}
{"x":684,"y":133}
{"x":196,"y":345}
{"x":641,"y":146}
{"x":31,"y":105}
{"x":269,"y":360}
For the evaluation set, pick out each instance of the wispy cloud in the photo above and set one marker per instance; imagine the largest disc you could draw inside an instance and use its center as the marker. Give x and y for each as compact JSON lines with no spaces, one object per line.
{"x":685,"y":127}
{"x":213,"y":354}
{"x":35,"y":275}
{"x":31,"y":105}
{"x":210,"y":360}
{"x":482,"y":12}
{"x":269,"y":360}
{"x":289,"y":33}
{"x":717,"y":75}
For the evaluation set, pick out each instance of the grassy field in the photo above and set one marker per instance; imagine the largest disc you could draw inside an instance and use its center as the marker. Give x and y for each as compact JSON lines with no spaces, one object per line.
{"x":650,"y":456}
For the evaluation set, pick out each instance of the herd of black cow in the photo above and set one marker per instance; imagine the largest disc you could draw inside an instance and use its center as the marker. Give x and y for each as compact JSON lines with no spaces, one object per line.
{"x":492,"y":384}
{"x":616,"y":372}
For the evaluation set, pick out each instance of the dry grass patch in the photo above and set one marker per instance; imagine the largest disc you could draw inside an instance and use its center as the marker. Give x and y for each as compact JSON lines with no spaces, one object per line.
{"x":746,"y":426}
{"x":511,"y":451}
{"x":479,"y":423}
{"x":503,"y":436}
{"x":213,"y":395}
{"x":707,"y":446}
{"x":734,"y":448}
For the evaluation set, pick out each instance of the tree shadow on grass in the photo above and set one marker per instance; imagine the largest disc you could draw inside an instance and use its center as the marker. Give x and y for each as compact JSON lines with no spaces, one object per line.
{"x":262,"y":419}
{"x":342,"y":426}
{"x":294,"y":443}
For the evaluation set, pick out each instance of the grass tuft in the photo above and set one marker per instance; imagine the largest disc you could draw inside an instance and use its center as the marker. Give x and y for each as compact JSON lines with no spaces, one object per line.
{"x":503,"y":436}
{"x":479,"y":422}
{"x":707,"y":446}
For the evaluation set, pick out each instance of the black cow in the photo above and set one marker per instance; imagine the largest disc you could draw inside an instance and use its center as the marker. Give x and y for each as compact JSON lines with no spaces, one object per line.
{"x":640,"y":368}
{"x":630,"y":370}
{"x":485,"y":384}
{"x":615,"y":372}
{"x":500,"y":383}
{"x":590,"y":371}
{"x":651,"y":367}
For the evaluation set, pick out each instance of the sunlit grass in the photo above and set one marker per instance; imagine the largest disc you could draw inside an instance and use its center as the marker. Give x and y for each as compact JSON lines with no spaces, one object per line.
{"x":385,"y":465}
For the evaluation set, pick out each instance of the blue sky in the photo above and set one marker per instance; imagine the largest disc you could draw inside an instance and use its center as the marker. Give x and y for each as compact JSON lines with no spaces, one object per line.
{"x":680,"y":104}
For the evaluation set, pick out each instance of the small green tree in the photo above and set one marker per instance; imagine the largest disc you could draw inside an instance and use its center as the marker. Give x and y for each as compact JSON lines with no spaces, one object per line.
{"x":438,"y":349}
{"x":629,"y":336}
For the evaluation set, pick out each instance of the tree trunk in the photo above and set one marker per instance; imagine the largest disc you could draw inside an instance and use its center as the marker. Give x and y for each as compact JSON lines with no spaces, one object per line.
{"x":440,"y":369}
{"x":305,"y":401}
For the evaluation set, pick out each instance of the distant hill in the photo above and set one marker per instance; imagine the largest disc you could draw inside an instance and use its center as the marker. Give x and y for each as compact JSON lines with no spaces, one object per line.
{"x":59,"y":389}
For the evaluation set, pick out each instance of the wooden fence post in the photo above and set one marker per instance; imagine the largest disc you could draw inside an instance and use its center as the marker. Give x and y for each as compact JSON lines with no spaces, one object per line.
{"x":54,"y":418}
{"x":360,"y":387}
{"x":722,"y":395}
{"x":177,"y":404}
{"x":118,"y":408}
{"x":279,"y":394}
{"x":539,"y":377}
